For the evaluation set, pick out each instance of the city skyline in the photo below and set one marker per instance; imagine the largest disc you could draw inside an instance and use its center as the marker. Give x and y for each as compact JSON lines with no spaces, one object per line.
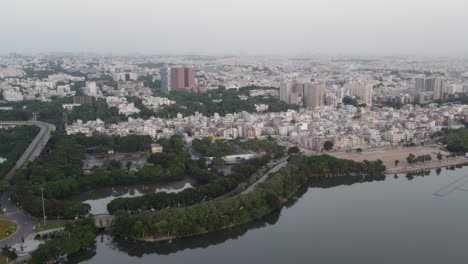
{"x":242,"y":27}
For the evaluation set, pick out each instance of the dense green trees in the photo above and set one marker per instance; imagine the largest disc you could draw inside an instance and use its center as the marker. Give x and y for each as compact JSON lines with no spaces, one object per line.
{"x":59,"y":172}
{"x":219,"y":101}
{"x":209,"y":148}
{"x":213,"y":216}
{"x":98,"y":109}
{"x":13,"y":142}
{"x":268,"y":146}
{"x":101,"y":143}
{"x":50,"y":112}
{"x":76,"y":237}
{"x":457,"y":141}
{"x":217,"y":186}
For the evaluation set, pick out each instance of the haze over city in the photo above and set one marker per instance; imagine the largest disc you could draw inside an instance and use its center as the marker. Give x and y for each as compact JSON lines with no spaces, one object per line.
{"x":264,"y":27}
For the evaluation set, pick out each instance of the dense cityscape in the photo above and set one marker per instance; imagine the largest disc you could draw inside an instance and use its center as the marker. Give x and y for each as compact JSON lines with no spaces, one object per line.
{"x":193,"y":119}
{"x":249,"y":131}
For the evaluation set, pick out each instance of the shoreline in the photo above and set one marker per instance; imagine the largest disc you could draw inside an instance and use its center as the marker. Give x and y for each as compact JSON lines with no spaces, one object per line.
{"x":162,"y":239}
{"x":283,"y":201}
{"x":427,"y":166}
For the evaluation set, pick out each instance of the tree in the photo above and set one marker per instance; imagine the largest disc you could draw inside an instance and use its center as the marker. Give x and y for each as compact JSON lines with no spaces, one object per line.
{"x":396,"y":163}
{"x":439,"y":156}
{"x":294,"y":150}
{"x":428,"y":157}
{"x":218,"y":163}
{"x":328,"y":145}
{"x":359,"y":150}
{"x":411,"y":159}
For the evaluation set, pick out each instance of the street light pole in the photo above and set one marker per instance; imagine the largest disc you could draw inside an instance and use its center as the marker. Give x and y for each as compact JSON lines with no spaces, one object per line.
{"x":43,"y":207}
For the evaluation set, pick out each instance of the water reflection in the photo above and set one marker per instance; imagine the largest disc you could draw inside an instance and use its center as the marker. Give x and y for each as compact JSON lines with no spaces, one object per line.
{"x":99,"y":198}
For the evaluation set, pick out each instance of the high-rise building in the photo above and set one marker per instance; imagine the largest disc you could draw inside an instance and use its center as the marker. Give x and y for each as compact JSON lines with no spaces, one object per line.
{"x":182,"y":78}
{"x":362,"y":91}
{"x":438,"y":88}
{"x":189,"y":77}
{"x":285,"y":90}
{"x":91,"y":89}
{"x":165,"y":80}
{"x":434,"y":85}
{"x":292,"y":92}
{"x":314,"y":95}
{"x":420,"y":84}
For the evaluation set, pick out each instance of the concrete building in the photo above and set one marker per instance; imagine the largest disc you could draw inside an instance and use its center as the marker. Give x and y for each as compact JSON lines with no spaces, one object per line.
{"x":314,"y":95}
{"x":91,"y":89}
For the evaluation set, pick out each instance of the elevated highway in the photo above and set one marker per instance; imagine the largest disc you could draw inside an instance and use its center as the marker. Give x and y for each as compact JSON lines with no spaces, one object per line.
{"x":12,"y":212}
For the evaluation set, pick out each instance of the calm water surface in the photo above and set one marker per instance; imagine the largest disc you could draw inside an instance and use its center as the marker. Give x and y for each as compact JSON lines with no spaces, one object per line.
{"x":345,"y":220}
{"x":99,"y":198}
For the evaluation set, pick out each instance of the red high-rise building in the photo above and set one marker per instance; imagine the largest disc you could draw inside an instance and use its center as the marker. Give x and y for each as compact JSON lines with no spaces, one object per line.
{"x":182,"y":78}
{"x":189,"y":75}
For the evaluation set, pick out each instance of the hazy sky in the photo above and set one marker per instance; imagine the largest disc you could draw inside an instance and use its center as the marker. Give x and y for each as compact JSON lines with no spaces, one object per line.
{"x":235,"y":26}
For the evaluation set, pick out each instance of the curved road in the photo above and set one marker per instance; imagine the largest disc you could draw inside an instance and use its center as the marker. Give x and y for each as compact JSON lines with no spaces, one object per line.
{"x":25,"y":222}
{"x":277,"y":165}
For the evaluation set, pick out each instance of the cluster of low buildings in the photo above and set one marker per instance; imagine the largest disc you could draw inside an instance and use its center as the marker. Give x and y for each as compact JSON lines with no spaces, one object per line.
{"x":348,"y":128}
{"x":20,"y":89}
{"x":156,"y":103}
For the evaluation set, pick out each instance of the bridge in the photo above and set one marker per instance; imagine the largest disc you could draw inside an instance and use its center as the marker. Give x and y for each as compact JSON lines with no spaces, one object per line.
{"x":103,"y":221}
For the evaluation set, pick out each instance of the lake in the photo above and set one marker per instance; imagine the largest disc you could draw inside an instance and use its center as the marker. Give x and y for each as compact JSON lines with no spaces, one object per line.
{"x":417,"y":219}
{"x":99,"y":198}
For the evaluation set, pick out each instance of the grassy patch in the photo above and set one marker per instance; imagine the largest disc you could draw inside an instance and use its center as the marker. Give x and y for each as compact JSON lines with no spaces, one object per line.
{"x":40,"y":228}
{"x":7,"y":228}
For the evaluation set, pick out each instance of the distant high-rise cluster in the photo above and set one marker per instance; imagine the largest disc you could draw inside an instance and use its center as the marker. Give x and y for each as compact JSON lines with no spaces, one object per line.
{"x":308,"y":94}
{"x":312,"y":95}
{"x":430,"y":85}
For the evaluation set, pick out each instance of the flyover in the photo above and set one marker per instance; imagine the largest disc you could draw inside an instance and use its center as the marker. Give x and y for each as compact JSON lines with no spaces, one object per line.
{"x":25,"y":221}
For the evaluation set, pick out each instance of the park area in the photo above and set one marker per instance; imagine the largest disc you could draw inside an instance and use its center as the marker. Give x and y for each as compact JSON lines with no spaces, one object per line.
{"x":389,"y":156}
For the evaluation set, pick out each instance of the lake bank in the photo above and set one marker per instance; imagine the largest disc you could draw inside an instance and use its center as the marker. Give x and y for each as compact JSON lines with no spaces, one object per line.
{"x":271,"y":194}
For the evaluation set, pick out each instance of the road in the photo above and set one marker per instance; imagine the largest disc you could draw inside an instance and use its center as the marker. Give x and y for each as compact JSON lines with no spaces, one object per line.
{"x":12,"y":212}
{"x":277,"y":166}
